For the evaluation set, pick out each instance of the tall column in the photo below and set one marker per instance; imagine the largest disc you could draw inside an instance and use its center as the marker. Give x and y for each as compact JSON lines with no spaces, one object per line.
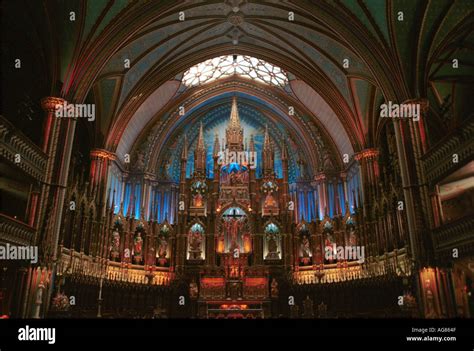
{"x":411,"y":144}
{"x":369,"y":169}
{"x":320,"y":182}
{"x":182,"y":217}
{"x":99,"y":171}
{"x":57,"y":144}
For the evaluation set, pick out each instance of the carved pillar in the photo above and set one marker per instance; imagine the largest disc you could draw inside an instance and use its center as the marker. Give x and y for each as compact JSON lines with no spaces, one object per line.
{"x":320,"y":183}
{"x":58,"y":138}
{"x":369,"y":169}
{"x":411,"y":144}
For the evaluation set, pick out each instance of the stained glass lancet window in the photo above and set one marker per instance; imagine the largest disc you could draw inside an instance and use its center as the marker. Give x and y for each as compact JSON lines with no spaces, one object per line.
{"x":224,"y":66}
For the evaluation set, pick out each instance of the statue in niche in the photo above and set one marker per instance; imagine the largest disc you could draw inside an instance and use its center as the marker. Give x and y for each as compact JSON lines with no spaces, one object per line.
{"x":193,"y":289}
{"x":197,"y":200}
{"x":430,"y":304}
{"x":137,"y":247}
{"x":305,"y":250}
{"x":233,"y":227}
{"x":273,"y":253}
{"x":140,"y":163}
{"x":270,"y":201}
{"x":352,"y":237}
{"x":247,"y":242}
{"x":115,"y":246}
{"x":162,"y":250}
{"x":274,"y":288}
{"x":195,"y":243}
{"x":329,"y":249}
{"x":220,"y":243}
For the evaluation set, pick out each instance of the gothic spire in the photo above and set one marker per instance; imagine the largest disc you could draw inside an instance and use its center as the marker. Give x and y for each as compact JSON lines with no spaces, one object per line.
{"x":234,"y":122}
{"x":217,"y":146}
{"x":200,"y":142}
{"x":266,"y":140}
{"x":184,"y":153}
{"x":267,"y":154}
{"x":234,"y":133}
{"x":200,"y":152}
{"x":251,"y":144}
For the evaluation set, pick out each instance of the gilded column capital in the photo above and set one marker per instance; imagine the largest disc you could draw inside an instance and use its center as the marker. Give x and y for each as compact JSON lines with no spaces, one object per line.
{"x":321,"y":176}
{"x":51,"y":103}
{"x":104,"y":154}
{"x":423,"y":102}
{"x":370,"y":153}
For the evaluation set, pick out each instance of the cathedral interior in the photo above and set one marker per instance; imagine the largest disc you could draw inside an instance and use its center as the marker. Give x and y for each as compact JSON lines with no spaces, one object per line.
{"x":237,"y":159}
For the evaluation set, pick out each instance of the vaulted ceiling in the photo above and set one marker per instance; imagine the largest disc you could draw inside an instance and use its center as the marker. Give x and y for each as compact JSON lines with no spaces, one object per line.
{"x":344,"y":58}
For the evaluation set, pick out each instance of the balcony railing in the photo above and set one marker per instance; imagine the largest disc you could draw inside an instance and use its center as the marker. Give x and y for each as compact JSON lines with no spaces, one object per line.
{"x":455,"y":234}
{"x":15,"y":232}
{"x":32,"y":160}
{"x":75,"y":264}
{"x":396,"y":264}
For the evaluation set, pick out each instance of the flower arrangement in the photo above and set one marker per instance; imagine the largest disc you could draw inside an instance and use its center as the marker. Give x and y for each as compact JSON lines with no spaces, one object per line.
{"x":60,"y":302}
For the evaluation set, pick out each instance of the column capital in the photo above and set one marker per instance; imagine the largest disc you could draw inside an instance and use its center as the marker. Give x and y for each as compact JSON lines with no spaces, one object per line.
{"x":321,"y":176}
{"x":369,"y":153}
{"x":102,"y":153}
{"x":423,"y":102}
{"x":51,"y":103}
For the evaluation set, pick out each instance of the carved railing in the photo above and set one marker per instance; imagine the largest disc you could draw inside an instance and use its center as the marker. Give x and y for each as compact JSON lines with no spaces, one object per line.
{"x":13,"y":142}
{"x":457,"y":234}
{"x":438,"y":161}
{"x":15,"y":232}
{"x":77,"y":264}
{"x":393,"y":263}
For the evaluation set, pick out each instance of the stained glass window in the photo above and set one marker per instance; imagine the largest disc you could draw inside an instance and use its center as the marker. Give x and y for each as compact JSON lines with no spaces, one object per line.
{"x":224,"y":66}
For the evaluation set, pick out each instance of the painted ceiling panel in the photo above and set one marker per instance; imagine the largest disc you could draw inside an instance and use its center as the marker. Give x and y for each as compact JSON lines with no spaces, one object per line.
{"x":136,"y":48}
{"x":406,"y":31}
{"x":107,"y":101}
{"x":362,"y":91}
{"x":316,"y":104}
{"x":318,"y":41}
{"x":67,"y":32}
{"x":378,"y":10}
{"x":139,"y":69}
{"x":144,"y":114}
{"x":458,"y":11}
{"x":117,"y":6}
{"x":93,"y":11}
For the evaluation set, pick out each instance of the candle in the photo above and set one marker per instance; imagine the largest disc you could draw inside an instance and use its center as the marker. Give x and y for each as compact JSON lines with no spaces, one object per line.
{"x":100,"y":288}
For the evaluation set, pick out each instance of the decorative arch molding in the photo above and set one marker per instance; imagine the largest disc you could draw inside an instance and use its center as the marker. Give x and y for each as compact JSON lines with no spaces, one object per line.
{"x":305,"y":126}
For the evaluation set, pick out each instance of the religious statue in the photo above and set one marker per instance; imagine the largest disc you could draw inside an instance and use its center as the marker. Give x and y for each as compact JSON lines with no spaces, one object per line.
{"x":274,"y":288}
{"x":162,"y":250}
{"x":115,"y":246}
{"x":273,"y":253}
{"x":247,"y":242}
{"x":328,"y":247}
{"x":220,"y":243}
{"x":233,"y":227}
{"x":193,"y":289}
{"x":352,"y":237}
{"x":270,"y":201}
{"x":305,"y":250}
{"x":430,"y":303}
{"x":197,"y":200}
{"x":137,"y":247}
{"x":195,"y":241}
